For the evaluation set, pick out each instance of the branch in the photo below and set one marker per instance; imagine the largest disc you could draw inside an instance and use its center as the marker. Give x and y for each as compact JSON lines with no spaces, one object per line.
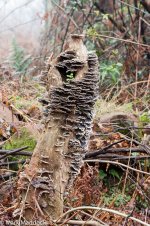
{"x":117,"y":163}
{"x":146,"y":5}
{"x":132,"y":6}
{"x":77,"y":222}
{"x":132,"y":157}
{"x":102,"y":209}
{"x":113,"y":150}
{"x":66,"y":14}
{"x":12,"y":162}
{"x":122,"y":40}
{"x":120,"y":28}
{"x":11,"y":12}
{"x":13,"y":151}
{"x":121,"y":157}
{"x":10,"y":152}
{"x":67,"y":28}
{"x":93,"y":154}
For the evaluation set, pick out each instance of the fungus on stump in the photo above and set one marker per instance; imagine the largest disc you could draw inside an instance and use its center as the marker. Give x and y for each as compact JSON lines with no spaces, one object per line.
{"x":72,"y":85}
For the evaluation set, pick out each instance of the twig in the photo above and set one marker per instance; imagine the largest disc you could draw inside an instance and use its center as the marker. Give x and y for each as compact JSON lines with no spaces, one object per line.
{"x":94,"y":218}
{"x":122,"y":157}
{"x":25,"y":153}
{"x":131,"y":84}
{"x":129,"y":12}
{"x":65,"y":222}
{"x":7,"y":175}
{"x":12,"y":162}
{"x":116,"y":163}
{"x":133,"y":127}
{"x":67,"y":28}
{"x":19,"y":25}
{"x":137,"y":59}
{"x":77,"y":222}
{"x":132,"y":157}
{"x":128,"y":165}
{"x":9,"y":209}
{"x":122,"y":40}
{"x":66,"y":14}
{"x":146,"y":6}
{"x":120,"y":28}
{"x":84,"y":15}
{"x":11,"y":12}
{"x":102,"y":209}
{"x":127,"y":218}
{"x":14,"y":151}
{"x":116,"y":150}
{"x":86,"y":18}
{"x":146,"y":147}
{"x":24,"y":203}
{"x":132,"y":6}
{"x":93,"y":154}
{"x":21,"y":113}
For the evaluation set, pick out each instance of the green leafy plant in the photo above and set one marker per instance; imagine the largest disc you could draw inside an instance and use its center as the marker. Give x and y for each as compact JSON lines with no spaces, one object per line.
{"x":121,"y":200}
{"x":116,"y":196}
{"x":145,"y":117}
{"x":110,"y":72}
{"x":19,"y":60}
{"x":114,"y":173}
{"x":69,"y":77}
{"x":102,"y":174}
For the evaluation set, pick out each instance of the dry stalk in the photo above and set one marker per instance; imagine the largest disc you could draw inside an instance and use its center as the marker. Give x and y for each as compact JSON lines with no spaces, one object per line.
{"x":105,"y":210}
{"x":117,"y":163}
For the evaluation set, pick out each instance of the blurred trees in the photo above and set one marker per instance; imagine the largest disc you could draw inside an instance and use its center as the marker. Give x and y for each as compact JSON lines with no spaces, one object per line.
{"x":118,"y":30}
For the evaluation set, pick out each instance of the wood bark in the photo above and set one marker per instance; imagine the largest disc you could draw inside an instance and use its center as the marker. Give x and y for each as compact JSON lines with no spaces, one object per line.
{"x":72,"y":86}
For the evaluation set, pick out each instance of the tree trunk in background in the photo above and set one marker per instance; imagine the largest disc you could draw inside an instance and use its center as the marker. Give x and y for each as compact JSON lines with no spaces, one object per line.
{"x":72,"y":85}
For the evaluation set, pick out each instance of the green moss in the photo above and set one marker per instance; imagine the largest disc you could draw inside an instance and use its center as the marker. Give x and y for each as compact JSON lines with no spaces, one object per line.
{"x":23,"y":138}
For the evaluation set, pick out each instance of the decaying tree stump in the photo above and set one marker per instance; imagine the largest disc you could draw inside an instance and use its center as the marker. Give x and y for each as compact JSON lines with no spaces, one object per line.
{"x":72,"y":85}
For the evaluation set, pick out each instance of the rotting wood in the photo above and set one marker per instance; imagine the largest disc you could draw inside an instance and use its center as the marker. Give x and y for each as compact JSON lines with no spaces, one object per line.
{"x":58,"y":156}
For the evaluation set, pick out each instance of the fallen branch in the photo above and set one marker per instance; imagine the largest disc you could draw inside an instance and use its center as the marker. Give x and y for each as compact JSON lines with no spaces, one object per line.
{"x":10,"y":152}
{"x":145,"y":147}
{"x":117,"y":163}
{"x":27,"y":119}
{"x":93,"y":154}
{"x":5,"y":176}
{"x":102,"y":209}
{"x":112,"y":150}
{"x":122,"y":157}
{"x":140,"y":157}
{"x":12,"y":163}
{"x":13,"y":151}
{"x":77,"y":222}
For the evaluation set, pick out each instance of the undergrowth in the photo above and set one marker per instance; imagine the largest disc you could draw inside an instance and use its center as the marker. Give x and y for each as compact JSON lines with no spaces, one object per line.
{"x":21,"y":139}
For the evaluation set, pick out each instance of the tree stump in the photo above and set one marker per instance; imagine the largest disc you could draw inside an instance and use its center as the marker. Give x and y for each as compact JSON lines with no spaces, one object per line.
{"x":72,"y":85}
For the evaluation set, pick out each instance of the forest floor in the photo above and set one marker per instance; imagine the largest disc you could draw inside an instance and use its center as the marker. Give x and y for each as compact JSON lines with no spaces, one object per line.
{"x":116,"y":171}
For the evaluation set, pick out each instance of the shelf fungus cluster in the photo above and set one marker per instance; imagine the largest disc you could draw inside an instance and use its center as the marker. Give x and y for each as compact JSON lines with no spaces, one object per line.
{"x":72,"y":88}
{"x":70,"y":103}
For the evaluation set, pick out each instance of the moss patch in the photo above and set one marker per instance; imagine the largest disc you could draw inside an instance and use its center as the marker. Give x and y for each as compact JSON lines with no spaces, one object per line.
{"x":23,"y":138}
